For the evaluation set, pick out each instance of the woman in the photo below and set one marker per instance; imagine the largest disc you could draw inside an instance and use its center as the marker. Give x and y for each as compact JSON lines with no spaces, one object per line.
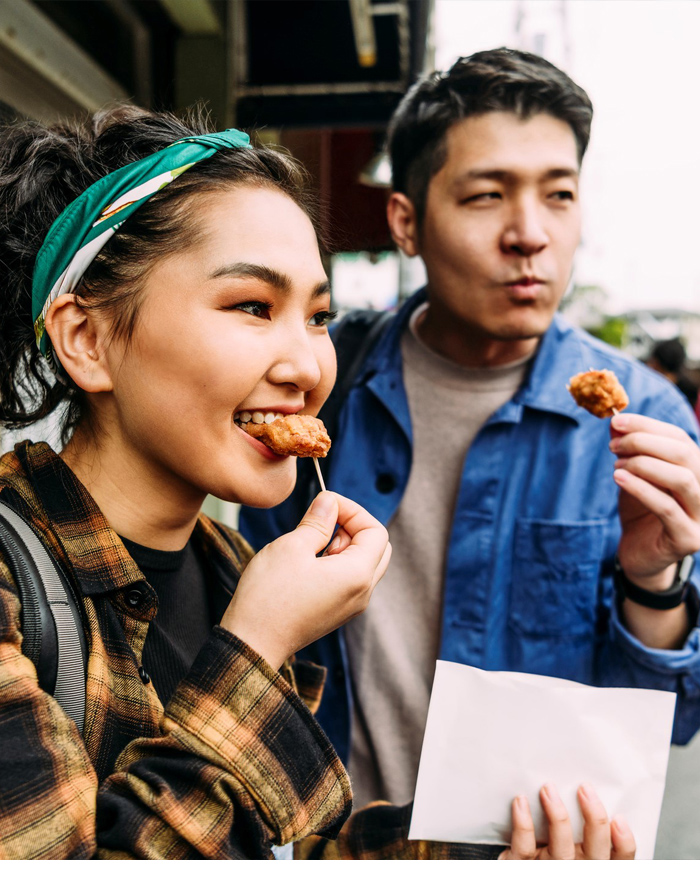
{"x":174,"y":282}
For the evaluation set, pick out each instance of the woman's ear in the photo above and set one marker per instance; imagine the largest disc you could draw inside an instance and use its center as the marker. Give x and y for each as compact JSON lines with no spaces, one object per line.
{"x":78,"y":337}
{"x":401,"y":216}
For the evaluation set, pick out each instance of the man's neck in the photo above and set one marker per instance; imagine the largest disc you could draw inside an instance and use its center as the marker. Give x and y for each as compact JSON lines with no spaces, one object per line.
{"x":468,"y":346}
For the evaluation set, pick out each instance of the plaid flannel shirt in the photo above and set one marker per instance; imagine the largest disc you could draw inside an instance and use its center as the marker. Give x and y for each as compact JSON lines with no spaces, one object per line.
{"x":234,"y":764}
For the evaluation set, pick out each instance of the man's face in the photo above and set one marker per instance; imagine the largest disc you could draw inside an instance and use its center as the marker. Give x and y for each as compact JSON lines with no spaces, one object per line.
{"x":501,"y":225}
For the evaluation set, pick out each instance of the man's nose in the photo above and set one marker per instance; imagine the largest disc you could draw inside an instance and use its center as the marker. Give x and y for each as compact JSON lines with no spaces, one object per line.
{"x":297,"y":362}
{"x":525,"y":233}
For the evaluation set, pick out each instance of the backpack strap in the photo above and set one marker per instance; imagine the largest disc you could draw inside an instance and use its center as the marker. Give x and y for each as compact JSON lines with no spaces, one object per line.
{"x":52,"y":628}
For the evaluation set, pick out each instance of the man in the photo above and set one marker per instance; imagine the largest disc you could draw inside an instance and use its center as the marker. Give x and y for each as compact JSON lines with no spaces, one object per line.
{"x":500,"y":494}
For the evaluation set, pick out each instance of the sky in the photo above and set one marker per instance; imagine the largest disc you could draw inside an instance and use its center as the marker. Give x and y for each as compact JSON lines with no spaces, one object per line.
{"x":638,"y":61}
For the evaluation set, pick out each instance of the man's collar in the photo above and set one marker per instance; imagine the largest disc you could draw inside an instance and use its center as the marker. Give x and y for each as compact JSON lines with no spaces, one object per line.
{"x":560,"y":354}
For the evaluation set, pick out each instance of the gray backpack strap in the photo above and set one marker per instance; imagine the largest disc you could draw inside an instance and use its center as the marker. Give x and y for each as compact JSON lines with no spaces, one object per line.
{"x":53,"y":635}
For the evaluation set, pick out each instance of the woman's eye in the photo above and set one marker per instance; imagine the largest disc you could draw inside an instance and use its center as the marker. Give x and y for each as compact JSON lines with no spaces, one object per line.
{"x":321,"y":319}
{"x":256,"y":309}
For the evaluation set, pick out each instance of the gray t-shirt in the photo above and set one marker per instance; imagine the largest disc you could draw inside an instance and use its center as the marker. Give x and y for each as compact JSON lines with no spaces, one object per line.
{"x":393,"y":646}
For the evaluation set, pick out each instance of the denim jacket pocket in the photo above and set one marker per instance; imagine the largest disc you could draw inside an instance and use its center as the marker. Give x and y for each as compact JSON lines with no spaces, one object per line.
{"x":556,"y":571}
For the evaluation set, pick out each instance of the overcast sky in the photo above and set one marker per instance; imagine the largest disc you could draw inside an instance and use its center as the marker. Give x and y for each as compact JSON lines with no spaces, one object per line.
{"x":638,"y":61}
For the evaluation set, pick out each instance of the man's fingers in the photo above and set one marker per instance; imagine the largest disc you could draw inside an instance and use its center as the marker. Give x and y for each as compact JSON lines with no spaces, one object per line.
{"x":561,"y":838}
{"x":596,"y":828}
{"x":683,"y":533}
{"x":676,"y":449}
{"x":626,"y":423}
{"x":522,"y":844}
{"x":319,"y":520}
{"x":623,"y":844}
{"x":680,"y":481}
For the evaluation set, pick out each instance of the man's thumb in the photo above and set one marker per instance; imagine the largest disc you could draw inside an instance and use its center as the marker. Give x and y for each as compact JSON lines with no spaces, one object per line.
{"x":319,"y":521}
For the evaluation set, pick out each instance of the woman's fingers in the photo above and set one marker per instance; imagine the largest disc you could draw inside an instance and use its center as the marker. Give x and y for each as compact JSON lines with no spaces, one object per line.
{"x":623,"y":844}
{"x":561,"y":838}
{"x":596,"y":828}
{"x":523,"y":844}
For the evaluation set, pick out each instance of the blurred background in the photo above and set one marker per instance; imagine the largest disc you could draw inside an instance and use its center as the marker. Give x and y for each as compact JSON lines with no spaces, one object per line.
{"x":322,"y":77}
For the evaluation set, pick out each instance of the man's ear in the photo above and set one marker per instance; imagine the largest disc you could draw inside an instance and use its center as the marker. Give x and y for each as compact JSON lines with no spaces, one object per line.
{"x":401,"y":216}
{"x":78,"y":339}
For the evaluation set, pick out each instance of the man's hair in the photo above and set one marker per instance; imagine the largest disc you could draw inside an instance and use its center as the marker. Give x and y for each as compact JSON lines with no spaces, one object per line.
{"x":497,"y":80}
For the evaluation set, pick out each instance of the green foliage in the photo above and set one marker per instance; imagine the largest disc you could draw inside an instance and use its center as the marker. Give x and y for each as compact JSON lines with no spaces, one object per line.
{"x":613,"y":331}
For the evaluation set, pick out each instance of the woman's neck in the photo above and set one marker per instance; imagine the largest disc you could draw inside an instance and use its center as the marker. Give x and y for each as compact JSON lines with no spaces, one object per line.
{"x":150,"y":508}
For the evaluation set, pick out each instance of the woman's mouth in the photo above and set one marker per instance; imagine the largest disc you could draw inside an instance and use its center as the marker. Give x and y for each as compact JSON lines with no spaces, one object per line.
{"x":258,"y":417}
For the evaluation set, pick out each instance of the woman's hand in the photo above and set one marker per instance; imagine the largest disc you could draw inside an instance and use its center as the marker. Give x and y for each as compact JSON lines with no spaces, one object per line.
{"x":288,"y":596}
{"x":602,"y":839}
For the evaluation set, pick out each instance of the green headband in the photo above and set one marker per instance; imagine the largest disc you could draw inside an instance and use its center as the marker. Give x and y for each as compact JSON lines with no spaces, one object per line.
{"x":85,"y":226}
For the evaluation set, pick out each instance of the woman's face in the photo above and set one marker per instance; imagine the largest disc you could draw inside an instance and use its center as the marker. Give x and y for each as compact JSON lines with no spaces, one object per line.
{"x":234,"y":323}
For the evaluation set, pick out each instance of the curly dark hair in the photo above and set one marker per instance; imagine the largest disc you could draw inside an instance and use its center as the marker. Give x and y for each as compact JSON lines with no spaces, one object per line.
{"x":496,"y":80}
{"x":43,"y":169}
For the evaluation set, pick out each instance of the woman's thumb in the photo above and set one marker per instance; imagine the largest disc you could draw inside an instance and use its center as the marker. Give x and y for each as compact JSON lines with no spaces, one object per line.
{"x":319,"y":521}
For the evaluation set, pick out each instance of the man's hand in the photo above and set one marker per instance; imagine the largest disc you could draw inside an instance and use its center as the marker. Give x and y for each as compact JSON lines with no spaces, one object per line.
{"x":602,"y":839}
{"x":658,"y":470}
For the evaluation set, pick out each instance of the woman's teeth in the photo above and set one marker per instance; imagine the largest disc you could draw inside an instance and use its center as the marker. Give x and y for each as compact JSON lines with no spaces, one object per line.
{"x":257,"y":417}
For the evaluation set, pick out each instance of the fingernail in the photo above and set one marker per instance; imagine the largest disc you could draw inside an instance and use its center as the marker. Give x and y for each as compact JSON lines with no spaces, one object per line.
{"x":620,"y":422}
{"x":620,"y":462}
{"x":620,"y":475}
{"x":324,"y":504}
{"x":334,"y":544}
{"x":621,"y":824}
{"x":550,"y":791}
{"x":521,"y":803}
{"x":614,"y":444}
{"x":588,"y":792}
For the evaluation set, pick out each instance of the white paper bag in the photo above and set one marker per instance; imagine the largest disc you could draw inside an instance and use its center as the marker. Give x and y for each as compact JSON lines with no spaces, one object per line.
{"x":491,"y":736}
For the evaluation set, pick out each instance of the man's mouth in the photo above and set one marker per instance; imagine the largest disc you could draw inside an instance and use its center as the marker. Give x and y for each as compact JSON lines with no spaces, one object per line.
{"x":526,"y":287}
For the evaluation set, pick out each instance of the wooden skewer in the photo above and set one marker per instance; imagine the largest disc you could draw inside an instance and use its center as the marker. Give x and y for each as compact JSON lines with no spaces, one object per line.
{"x":320,"y":475}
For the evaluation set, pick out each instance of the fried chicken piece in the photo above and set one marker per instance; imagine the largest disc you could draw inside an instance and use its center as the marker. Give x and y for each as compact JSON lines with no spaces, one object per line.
{"x":598,"y":391}
{"x":304,"y":436}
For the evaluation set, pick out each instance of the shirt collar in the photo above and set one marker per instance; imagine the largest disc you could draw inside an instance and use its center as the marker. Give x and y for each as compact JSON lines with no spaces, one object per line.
{"x":561,"y":353}
{"x":59,"y":505}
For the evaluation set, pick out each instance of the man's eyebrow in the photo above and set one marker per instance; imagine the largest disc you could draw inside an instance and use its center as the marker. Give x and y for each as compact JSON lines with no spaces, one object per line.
{"x":268,"y":275}
{"x":503,"y":175}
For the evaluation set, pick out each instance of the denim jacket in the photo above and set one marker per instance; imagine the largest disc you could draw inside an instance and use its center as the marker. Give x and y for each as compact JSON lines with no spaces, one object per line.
{"x":528,"y":581}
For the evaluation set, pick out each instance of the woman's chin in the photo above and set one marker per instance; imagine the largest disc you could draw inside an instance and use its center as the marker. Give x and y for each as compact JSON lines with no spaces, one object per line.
{"x":271,"y":491}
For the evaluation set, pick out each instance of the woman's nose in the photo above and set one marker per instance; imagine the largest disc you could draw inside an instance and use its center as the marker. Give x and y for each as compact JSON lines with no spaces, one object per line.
{"x":297,"y":362}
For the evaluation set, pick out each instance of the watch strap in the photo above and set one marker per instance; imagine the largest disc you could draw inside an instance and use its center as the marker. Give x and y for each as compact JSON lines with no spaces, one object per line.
{"x":674,"y":596}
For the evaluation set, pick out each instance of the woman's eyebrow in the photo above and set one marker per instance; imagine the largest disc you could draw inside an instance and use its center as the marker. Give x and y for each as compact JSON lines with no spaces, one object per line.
{"x":268,"y":275}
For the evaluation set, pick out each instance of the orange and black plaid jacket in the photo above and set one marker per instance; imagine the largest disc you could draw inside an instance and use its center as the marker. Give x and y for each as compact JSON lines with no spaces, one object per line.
{"x":232,"y":765}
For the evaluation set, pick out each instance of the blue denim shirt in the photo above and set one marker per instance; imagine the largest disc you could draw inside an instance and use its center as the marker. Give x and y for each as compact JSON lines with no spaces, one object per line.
{"x":528,"y":583}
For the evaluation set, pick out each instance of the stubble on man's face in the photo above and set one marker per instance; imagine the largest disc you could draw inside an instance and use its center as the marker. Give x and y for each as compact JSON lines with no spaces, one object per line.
{"x":501,"y":227}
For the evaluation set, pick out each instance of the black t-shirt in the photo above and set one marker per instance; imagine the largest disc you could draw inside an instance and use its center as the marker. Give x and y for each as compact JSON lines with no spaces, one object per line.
{"x":184,"y":618}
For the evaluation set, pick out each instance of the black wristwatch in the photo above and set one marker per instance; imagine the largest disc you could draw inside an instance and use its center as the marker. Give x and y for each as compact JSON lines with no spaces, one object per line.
{"x":670,"y":598}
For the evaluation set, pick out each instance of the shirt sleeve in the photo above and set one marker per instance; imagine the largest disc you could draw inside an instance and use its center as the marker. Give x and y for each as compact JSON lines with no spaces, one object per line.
{"x":380,"y":831}
{"x":240,"y":764}
{"x":625,"y":661}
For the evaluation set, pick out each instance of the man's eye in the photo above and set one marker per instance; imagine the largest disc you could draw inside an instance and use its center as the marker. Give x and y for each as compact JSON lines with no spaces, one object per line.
{"x":256,"y":309}
{"x":563,"y":195}
{"x":321,"y":319}
{"x":484,"y":197}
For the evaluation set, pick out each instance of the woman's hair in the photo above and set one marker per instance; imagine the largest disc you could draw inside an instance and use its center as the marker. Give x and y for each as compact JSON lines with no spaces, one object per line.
{"x":42,"y":170}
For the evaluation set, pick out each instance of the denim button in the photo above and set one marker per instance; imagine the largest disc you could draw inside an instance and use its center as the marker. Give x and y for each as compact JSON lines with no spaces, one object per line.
{"x":385,"y":483}
{"x":143,"y":675}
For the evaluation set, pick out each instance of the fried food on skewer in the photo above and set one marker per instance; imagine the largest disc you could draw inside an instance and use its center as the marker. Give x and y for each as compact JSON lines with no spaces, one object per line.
{"x":598,"y":391}
{"x":304,"y":436}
